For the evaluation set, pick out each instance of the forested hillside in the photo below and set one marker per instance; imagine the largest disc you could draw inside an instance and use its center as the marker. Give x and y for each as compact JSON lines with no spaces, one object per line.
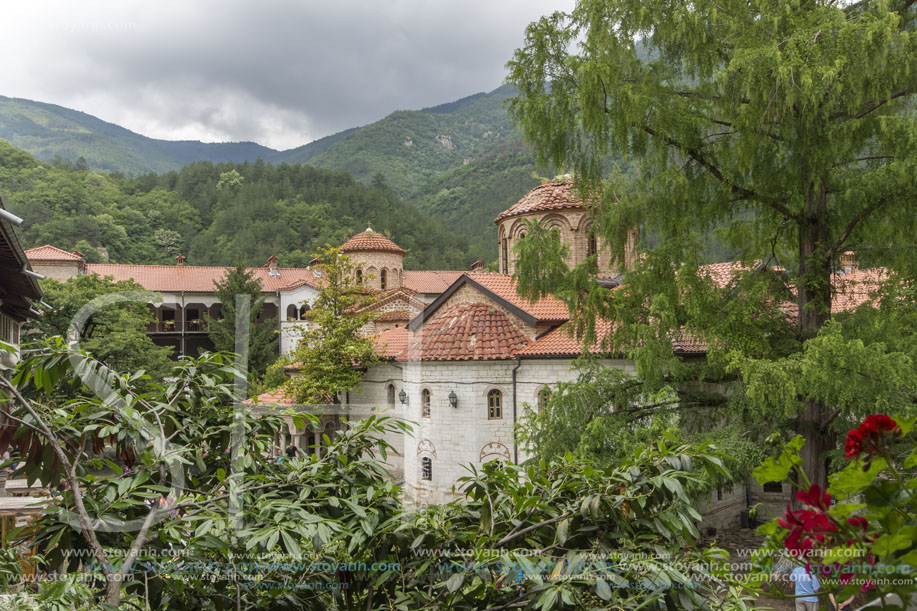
{"x":462,"y":161}
{"x":214,"y":213}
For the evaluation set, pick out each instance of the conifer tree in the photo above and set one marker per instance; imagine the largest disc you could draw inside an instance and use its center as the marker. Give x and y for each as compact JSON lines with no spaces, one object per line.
{"x":263,"y":338}
{"x":788,"y":122}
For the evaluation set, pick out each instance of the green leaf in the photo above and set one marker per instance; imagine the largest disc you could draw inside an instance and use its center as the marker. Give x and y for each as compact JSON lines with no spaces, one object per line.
{"x":602,"y":589}
{"x":561,"y":535}
{"x":455,"y":582}
{"x":852,"y":479}
{"x":778,"y":469}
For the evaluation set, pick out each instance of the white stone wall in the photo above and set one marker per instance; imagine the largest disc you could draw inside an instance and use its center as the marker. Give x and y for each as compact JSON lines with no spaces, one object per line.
{"x":456,"y":437}
{"x":58,"y":270}
{"x":290,"y":332}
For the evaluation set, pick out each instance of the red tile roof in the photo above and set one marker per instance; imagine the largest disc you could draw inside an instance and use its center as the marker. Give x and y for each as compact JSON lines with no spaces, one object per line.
{"x":395,"y":316}
{"x":278,"y":396}
{"x":553,"y":195}
{"x":370,"y":240}
{"x":393,"y":344}
{"x":855,"y":288}
{"x":51,"y":253}
{"x":197,"y":279}
{"x":467,"y":332}
{"x":548,"y":309}
{"x":560,"y":342}
{"x":430,"y":281}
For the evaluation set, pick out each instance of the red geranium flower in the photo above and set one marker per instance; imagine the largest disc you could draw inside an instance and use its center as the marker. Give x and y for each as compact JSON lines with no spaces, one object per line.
{"x":870,"y":435}
{"x":814,"y":497}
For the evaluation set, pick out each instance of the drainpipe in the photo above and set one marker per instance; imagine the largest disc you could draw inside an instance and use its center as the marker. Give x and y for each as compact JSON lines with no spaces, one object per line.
{"x":183,"y":322}
{"x":515,"y":444}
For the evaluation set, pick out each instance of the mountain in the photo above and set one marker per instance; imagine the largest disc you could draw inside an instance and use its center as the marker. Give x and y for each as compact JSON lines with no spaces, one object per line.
{"x":462,"y":162}
{"x":214,"y":214}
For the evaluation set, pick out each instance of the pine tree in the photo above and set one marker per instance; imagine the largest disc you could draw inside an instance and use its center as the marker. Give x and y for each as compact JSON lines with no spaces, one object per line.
{"x":263,"y":338}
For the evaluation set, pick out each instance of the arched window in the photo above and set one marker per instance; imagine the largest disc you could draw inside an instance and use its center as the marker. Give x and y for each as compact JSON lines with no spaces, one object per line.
{"x":494,"y":405}
{"x":505,"y":256}
{"x":383,"y":277}
{"x":426,"y":468}
{"x":543,"y":396}
{"x":391,"y":394}
{"x":425,"y":403}
{"x":359,"y":276}
{"x":592,"y":245}
{"x":291,"y":312}
{"x":302,"y":311}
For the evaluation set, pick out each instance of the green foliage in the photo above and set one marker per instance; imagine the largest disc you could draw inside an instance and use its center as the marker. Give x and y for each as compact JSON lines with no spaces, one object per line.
{"x":606,"y":415}
{"x":750,"y":119}
{"x":333,"y":353}
{"x":115,"y":334}
{"x":260,"y":210}
{"x":262,"y":338}
{"x":559,"y":535}
{"x":866,"y":538}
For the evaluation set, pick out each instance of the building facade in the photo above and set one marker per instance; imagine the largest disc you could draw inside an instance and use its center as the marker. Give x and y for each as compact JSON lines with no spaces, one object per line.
{"x":19,"y":290}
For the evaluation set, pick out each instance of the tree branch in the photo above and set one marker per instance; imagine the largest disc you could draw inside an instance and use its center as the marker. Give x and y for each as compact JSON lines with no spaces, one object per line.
{"x":70,"y":469}
{"x":865,"y":212}
{"x":529,"y":529}
{"x":716,"y":173}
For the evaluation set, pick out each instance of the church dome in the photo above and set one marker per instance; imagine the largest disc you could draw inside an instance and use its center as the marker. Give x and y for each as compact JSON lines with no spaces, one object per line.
{"x":546,"y":197}
{"x":371,"y":241}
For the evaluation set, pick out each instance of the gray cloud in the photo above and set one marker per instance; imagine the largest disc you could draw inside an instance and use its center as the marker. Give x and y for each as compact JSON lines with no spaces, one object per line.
{"x":278,"y":72}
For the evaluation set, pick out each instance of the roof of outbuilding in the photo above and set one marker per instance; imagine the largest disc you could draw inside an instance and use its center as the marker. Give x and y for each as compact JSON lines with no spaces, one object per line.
{"x":198,"y":279}
{"x":552,"y":195}
{"x":560,"y":342}
{"x":52,"y":253}
{"x":371,"y":241}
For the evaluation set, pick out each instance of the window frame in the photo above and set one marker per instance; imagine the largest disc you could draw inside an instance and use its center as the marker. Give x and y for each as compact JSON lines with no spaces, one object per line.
{"x":426,"y":469}
{"x":495,"y":409}
{"x":426,"y":401}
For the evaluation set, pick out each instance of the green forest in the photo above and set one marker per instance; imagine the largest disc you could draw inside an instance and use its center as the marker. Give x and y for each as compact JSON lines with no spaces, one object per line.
{"x":214,"y":214}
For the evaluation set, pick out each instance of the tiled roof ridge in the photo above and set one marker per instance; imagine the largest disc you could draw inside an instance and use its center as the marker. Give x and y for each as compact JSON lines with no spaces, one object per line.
{"x":550,"y":195}
{"x":370,"y":241}
{"x":38,"y":253}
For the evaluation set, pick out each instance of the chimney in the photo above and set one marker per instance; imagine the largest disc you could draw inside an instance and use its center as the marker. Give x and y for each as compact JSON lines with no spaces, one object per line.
{"x":272,"y":267}
{"x":180,"y":260}
{"x":849,"y":261}
{"x":477,"y":266}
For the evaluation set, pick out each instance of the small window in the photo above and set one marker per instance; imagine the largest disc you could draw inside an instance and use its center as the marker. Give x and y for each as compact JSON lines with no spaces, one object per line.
{"x":544,"y":395}
{"x":494,"y":405}
{"x":505,"y":256}
{"x":383,"y":277}
{"x":426,"y":468}
{"x":773,"y":487}
{"x":360,"y":276}
{"x":291,"y":312}
{"x":592,"y":247}
{"x":391,"y":394}
{"x":425,"y":403}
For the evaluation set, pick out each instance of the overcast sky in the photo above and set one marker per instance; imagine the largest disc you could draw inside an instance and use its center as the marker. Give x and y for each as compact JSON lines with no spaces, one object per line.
{"x":278,"y":72}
